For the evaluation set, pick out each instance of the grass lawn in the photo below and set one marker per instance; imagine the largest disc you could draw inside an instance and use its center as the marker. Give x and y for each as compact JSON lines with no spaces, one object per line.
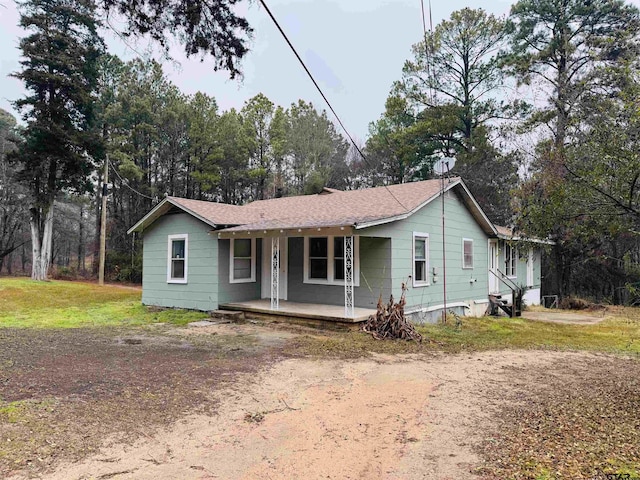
{"x":59,"y":304}
{"x":619,"y":333}
{"x":567,"y":421}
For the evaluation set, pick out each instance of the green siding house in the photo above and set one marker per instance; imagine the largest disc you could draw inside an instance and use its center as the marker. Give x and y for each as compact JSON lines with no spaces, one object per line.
{"x":332,"y":255}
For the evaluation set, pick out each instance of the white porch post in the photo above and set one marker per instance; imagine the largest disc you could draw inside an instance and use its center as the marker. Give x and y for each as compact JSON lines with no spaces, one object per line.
{"x":275,"y":273}
{"x":348,"y":277}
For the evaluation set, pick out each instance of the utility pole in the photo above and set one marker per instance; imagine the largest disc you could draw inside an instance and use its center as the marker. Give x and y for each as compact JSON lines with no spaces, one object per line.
{"x":103,"y":220}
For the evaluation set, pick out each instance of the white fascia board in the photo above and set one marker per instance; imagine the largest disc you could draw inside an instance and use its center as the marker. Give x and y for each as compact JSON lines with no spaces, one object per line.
{"x":194,"y":214}
{"x":451,"y":185}
{"x":525,"y":239}
{"x":484,"y":216}
{"x":142,"y":221}
{"x":395,"y":218}
{"x":149,"y":216}
{"x":381,"y":221}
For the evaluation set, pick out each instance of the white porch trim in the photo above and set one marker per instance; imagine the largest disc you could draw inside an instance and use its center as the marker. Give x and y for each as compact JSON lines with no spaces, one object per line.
{"x":275,"y":273}
{"x":348,"y":276}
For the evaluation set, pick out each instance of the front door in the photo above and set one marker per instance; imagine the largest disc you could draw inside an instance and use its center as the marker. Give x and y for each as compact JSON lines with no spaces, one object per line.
{"x":530,"y":268}
{"x":494,"y":283}
{"x":266,"y":267}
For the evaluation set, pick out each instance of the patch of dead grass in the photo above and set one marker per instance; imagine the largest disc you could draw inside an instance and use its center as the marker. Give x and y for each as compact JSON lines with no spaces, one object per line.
{"x":65,"y":391}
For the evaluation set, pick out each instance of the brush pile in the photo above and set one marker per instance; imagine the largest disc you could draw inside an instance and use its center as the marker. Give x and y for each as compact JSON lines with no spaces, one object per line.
{"x":389,"y":321}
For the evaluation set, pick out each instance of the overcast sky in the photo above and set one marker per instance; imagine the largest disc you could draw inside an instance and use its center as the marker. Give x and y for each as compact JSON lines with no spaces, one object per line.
{"x":354,"y":48}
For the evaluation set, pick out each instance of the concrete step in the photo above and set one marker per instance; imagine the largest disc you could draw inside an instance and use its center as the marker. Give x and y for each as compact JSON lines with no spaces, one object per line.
{"x":229,"y":315}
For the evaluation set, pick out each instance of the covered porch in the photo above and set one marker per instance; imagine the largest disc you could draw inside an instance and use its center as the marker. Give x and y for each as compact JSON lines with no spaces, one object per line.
{"x":310,"y":273}
{"x":308,"y":311}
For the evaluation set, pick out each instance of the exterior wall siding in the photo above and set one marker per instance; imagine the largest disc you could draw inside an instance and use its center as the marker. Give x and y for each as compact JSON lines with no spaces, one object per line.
{"x":521,"y":269}
{"x":532,"y":296}
{"x":463,"y":285}
{"x":386,"y":261}
{"x":201,"y":290}
{"x":375,"y":275}
{"x":237,"y":292}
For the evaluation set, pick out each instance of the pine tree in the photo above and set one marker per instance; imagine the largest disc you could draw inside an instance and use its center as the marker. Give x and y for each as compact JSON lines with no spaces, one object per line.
{"x":210,"y":27}
{"x":59,"y":71}
{"x":572,"y":50}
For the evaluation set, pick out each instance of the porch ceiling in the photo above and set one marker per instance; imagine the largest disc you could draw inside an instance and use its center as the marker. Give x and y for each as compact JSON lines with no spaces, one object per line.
{"x":340,"y":230}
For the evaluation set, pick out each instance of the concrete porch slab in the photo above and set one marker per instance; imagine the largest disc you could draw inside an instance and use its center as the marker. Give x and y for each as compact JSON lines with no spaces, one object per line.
{"x":295,"y":310}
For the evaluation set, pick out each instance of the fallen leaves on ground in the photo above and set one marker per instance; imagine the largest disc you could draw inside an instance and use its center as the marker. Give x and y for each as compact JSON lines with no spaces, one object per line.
{"x":570,"y":422}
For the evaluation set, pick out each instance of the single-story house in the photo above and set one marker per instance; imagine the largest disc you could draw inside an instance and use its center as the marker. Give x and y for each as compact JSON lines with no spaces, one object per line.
{"x":331,"y":255}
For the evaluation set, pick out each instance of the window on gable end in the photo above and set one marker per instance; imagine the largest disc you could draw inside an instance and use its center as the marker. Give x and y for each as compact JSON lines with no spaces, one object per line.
{"x":467,"y":253}
{"x":177,"y":264}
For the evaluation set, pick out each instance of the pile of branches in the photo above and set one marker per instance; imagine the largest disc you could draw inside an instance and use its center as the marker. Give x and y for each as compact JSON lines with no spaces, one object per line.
{"x":389,"y":320}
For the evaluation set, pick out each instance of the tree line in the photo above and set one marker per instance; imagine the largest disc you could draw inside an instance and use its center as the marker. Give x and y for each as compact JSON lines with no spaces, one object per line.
{"x":538,"y":109}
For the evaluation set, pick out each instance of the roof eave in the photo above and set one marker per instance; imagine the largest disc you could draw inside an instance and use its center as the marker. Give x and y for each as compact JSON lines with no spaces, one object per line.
{"x":158,"y":212}
{"x":402,"y":216}
{"x":380,"y":221}
{"x":488,"y":226}
{"x":150,"y":217}
{"x":525,"y":239}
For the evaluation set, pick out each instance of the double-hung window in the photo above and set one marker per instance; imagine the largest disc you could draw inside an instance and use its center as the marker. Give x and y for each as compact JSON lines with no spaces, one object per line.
{"x":242,"y":260}
{"x":177,"y":264}
{"x":420,"y":259}
{"x":324,"y":259}
{"x":467,"y":253}
{"x":510,"y":258}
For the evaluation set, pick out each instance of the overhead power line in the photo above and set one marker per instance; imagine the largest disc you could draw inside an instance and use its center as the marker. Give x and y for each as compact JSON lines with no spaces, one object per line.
{"x":424,"y":22}
{"x":427,"y":46}
{"x":335,"y":114}
{"x":428,"y":52}
{"x":126,"y":184}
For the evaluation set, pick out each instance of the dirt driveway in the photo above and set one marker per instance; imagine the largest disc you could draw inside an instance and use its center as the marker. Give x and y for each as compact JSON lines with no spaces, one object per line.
{"x":422,"y":416}
{"x":571,"y":318}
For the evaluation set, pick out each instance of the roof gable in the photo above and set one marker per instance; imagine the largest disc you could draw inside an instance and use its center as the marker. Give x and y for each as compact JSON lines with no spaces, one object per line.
{"x":211,"y":213}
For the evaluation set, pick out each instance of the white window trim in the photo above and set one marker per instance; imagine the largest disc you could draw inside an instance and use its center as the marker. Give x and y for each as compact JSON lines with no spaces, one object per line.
{"x":473,"y":259}
{"x":424,"y":283}
{"x":253,"y":263}
{"x":170,"y":239}
{"x":514,"y":252}
{"x":331,"y":280}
